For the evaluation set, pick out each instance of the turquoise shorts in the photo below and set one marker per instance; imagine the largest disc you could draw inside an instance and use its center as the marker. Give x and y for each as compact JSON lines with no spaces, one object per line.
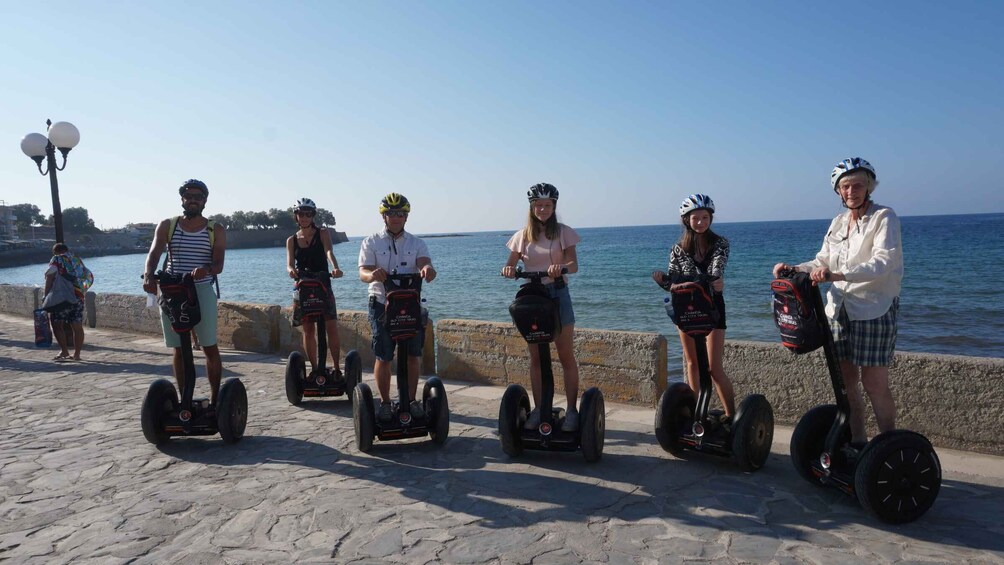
{"x":204,"y":330}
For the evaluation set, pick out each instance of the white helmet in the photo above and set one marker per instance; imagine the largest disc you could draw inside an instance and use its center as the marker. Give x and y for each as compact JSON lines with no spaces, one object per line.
{"x":305,"y":204}
{"x":850,"y":165}
{"x":697,"y":202}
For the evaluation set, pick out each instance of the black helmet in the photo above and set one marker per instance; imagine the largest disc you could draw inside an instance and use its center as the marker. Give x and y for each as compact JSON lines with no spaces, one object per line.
{"x":194,"y":183}
{"x":542,"y":190}
{"x":394,"y":201}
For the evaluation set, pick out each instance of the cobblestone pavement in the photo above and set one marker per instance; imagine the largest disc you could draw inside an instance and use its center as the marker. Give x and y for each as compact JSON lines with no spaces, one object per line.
{"x":78,"y":483}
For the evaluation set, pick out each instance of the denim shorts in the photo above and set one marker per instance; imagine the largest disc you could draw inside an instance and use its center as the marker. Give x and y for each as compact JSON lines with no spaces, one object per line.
{"x":205,"y":330}
{"x":565,"y":312}
{"x":383,"y":346}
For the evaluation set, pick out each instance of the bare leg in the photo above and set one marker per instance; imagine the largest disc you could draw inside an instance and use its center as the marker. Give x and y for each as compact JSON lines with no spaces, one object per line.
{"x":876,"y":384}
{"x":214,"y":370}
{"x":381,"y":370}
{"x":535,"y":384}
{"x":851,"y":379}
{"x":310,"y":342}
{"x":78,"y":338}
{"x":569,"y":366}
{"x":59,"y":332}
{"x":334,"y":345}
{"x":716,"y":350}
{"x":414,"y":368}
{"x":691,"y":372}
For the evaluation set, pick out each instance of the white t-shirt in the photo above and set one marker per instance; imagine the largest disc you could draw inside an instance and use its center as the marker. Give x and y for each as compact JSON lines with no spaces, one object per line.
{"x":382,"y":250}
{"x":545,"y":252}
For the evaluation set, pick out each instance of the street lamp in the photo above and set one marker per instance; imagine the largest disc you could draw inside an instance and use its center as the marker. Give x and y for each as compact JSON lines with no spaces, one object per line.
{"x":64,"y":136}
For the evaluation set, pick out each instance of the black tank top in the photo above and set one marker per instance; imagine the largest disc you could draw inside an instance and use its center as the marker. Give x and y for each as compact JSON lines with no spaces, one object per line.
{"x":312,"y":256}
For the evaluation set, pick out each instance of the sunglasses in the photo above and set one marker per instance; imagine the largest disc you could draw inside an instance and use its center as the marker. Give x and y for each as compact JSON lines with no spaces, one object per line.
{"x":194,"y":196}
{"x":395,"y":214}
{"x":306,"y":213}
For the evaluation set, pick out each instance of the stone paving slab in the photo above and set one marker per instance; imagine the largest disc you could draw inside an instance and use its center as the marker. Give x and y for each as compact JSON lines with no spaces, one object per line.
{"x":79,"y":484}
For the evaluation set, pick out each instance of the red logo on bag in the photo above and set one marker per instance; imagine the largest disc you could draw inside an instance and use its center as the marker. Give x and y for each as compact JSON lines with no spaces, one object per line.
{"x":403,"y":311}
{"x":533,"y":327}
{"x":785,"y":308}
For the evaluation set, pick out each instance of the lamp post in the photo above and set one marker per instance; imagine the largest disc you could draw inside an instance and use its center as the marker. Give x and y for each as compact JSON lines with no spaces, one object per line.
{"x":63,"y":136}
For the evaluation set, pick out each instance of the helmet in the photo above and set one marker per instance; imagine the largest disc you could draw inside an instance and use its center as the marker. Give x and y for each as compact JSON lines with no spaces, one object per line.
{"x":395,"y":201}
{"x":194,"y":183}
{"x":542,"y":190}
{"x":305,"y":204}
{"x":850,"y":165}
{"x":697,"y":202}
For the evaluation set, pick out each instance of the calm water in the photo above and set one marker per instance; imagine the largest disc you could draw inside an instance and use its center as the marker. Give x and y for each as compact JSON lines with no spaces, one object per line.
{"x":949,"y":303}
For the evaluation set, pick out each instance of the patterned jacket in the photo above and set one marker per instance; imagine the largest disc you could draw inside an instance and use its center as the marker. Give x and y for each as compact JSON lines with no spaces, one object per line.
{"x":682,"y":264}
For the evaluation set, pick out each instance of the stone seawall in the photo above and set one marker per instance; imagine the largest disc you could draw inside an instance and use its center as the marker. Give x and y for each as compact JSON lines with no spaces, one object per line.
{"x":953,"y":400}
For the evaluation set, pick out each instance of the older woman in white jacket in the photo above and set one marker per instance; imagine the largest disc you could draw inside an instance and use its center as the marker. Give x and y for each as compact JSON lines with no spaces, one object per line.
{"x":862,"y":254}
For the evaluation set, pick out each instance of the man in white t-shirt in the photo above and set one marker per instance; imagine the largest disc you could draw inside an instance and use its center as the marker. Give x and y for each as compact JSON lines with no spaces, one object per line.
{"x":393,"y":250}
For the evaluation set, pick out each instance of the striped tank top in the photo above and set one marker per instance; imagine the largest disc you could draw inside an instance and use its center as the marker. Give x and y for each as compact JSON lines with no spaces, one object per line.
{"x":188,"y":251}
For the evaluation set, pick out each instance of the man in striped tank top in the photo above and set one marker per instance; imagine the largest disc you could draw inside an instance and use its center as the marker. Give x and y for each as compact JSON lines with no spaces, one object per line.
{"x":194,"y":245}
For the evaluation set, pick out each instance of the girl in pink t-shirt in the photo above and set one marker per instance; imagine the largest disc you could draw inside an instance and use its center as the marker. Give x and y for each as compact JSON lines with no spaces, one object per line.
{"x":546,"y":245}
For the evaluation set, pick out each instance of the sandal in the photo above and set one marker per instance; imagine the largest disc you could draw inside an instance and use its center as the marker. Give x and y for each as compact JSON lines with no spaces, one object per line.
{"x":61,"y":356}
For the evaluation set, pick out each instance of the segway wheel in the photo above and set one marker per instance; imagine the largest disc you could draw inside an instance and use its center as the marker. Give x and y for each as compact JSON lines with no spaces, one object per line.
{"x":592,"y":425}
{"x":898,"y":476}
{"x":752,"y":432}
{"x":438,"y":409}
{"x":232,"y":412}
{"x":160,"y":399}
{"x":808,"y":439}
{"x":512,"y":415}
{"x":353,"y":371}
{"x":674,"y":413}
{"x":363,"y":416}
{"x":296,"y":371}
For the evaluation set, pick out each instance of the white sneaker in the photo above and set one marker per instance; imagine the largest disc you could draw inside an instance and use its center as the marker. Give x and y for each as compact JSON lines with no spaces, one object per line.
{"x":571,"y":422}
{"x":533,"y":420}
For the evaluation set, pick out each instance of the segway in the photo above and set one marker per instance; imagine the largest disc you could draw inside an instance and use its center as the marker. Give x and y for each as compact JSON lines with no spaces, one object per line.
{"x":537,"y":318}
{"x":162,"y":415}
{"x":404,"y":318}
{"x":681,"y":423}
{"x":314,"y":296}
{"x":897,"y":475}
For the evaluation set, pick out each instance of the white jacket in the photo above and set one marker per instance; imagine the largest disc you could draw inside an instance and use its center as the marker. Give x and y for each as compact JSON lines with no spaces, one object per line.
{"x":871,"y":258}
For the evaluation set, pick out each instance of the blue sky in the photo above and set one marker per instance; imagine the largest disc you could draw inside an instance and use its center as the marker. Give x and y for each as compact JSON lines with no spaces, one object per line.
{"x":626,"y":107}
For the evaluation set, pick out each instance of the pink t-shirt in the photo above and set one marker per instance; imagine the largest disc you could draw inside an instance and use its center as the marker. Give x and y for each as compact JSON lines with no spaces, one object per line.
{"x":545,"y":252}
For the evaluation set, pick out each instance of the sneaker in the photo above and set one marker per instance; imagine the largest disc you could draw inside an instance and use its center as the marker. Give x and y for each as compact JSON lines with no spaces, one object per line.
{"x":571,"y":422}
{"x":417,"y":410}
{"x":533,"y":420}
{"x":336,"y":374}
{"x":386,"y":412}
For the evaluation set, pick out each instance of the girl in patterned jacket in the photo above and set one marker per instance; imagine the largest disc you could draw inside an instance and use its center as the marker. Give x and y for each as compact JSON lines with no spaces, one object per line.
{"x":701,"y":251}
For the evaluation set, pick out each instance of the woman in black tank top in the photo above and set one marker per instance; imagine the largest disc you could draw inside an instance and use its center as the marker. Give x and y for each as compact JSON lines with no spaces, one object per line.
{"x":309,"y":249}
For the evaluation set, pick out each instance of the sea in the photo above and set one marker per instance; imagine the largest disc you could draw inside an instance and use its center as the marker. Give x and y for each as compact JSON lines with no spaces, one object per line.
{"x":949,"y":302}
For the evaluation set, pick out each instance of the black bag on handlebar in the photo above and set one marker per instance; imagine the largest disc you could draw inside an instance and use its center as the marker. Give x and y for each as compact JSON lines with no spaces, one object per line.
{"x":694,"y":310}
{"x":535,"y":314}
{"x":179,"y":301}
{"x":314,"y":294}
{"x":403,"y":312}
{"x":795,"y":315}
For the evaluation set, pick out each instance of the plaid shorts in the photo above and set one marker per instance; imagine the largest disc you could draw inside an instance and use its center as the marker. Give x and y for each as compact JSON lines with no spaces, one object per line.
{"x":866,"y":343}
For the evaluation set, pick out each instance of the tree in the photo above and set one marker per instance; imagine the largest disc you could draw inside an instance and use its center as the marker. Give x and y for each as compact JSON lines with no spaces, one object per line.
{"x":324,"y":218}
{"x":282,"y":219}
{"x":221,"y":219}
{"x":27,"y":215}
{"x":77,"y":220}
{"x":239,"y":221}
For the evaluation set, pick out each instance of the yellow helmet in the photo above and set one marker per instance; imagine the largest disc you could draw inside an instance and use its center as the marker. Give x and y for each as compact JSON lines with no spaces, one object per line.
{"x":394,"y":201}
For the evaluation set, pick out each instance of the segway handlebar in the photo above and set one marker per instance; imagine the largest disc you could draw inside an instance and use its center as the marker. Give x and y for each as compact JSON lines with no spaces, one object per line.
{"x":787,"y":272}
{"x":534,"y":275}
{"x":308,"y":274}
